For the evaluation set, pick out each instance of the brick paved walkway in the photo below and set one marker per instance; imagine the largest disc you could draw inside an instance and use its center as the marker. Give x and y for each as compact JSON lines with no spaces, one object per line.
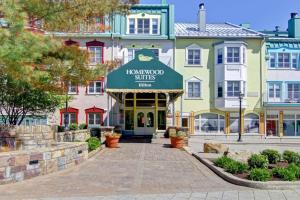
{"x":134,"y":171}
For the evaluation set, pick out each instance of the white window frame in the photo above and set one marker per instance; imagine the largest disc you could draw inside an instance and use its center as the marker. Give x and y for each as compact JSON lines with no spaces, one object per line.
{"x":292,"y":54}
{"x":69,"y":118}
{"x":151,"y":18}
{"x":93,"y":55}
{"x":233,"y":57}
{"x":193,"y":47}
{"x":95,"y":87}
{"x":233,"y":91}
{"x":193,"y":80}
{"x":94,"y":118}
{"x":71,"y":87}
{"x":217,"y":58}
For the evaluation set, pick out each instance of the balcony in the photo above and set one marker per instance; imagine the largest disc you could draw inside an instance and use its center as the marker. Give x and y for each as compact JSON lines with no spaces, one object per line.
{"x":288,"y":99}
{"x":230,"y":103}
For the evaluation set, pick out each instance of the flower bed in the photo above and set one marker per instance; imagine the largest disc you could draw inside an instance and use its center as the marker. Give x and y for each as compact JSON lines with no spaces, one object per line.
{"x":269,"y":165}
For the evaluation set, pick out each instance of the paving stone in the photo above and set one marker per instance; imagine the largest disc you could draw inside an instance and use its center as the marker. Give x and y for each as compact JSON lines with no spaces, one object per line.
{"x":246,"y":195}
{"x":261,"y":195}
{"x":276,"y":195}
{"x":291,"y":195}
{"x":230,"y":195}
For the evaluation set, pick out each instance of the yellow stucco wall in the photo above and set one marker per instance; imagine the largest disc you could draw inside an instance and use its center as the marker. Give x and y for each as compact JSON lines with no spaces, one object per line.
{"x":206,"y":73}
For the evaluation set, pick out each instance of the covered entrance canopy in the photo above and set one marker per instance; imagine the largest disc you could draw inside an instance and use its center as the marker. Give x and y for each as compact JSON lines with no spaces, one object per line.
{"x":144,"y":87}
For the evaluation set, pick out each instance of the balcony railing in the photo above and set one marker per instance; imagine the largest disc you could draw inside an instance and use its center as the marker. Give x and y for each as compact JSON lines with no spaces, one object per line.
{"x":288,"y":97}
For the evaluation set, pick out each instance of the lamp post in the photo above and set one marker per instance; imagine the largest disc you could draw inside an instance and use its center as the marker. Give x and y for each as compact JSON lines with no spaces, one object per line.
{"x":241,"y":95}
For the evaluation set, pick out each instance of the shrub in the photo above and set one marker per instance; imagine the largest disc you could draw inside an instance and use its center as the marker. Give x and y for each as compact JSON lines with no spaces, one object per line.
{"x":295,"y":169}
{"x":60,"y":129}
{"x":284,"y":173}
{"x":223,"y":161}
{"x":82,"y":126}
{"x":291,"y":157}
{"x":272,"y":155}
{"x":73,"y":127}
{"x":259,"y":174}
{"x":93,"y":143}
{"x":258,"y":161}
{"x":235,"y":167}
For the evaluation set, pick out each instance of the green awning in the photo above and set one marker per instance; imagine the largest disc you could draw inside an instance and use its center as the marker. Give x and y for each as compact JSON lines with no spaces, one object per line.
{"x":145,"y":73}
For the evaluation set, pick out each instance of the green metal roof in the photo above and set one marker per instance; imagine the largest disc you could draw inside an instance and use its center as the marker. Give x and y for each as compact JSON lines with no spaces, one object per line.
{"x":145,"y":73}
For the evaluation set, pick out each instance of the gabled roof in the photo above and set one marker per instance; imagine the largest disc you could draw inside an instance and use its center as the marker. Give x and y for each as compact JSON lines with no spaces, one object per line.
{"x":221,"y":30}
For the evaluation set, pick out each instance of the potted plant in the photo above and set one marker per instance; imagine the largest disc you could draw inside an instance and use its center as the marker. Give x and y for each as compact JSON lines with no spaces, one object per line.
{"x":177,"y":139}
{"x":112,"y":140}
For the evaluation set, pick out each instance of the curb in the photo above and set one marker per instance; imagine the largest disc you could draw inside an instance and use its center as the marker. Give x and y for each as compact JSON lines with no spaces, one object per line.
{"x":93,"y":153}
{"x":270,"y":185}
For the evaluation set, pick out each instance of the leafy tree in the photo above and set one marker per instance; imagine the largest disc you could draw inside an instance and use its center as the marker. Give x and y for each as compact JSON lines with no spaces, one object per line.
{"x":38,"y":67}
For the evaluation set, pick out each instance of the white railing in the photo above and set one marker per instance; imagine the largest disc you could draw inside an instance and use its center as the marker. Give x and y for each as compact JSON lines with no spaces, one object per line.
{"x":288,"y":97}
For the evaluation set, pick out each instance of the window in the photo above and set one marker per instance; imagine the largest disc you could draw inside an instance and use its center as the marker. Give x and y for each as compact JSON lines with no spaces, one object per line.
{"x":295,"y":60}
{"x":73,"y":89}
{"x":143,"y":26}
{"x":194,"y":89}
{"x":233,"y":54}
{"x":274,"y":90}
{"x":233,"y":88}
{"x":284,"y":60}
{"x":209,"y":123}
{"x":220,"y":89}
{"x":220,"y":56}
{"x":294,"y":92}
{"x":95,"y":54}
{"x":194,"y":56}
{"x":154,"y":26}
{"x":95,"y":87}
{"x":251,"y":124}
{"x":69,"y":117}
{"x":94,"y":119}
{"x":272,"y":63}
{"x":131,"y":26}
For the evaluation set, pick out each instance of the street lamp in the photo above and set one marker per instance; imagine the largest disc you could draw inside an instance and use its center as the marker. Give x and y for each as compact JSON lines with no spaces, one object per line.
{"x":241,"y":95}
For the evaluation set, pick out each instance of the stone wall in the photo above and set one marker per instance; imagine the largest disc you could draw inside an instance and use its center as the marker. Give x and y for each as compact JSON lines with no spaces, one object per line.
{"x":28,"y":137}
{"x":71,"y":136}
{"x":17,"y":166}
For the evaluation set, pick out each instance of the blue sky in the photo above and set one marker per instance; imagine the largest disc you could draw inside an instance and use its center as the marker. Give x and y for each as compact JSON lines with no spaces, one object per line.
{"x":261,"y":14}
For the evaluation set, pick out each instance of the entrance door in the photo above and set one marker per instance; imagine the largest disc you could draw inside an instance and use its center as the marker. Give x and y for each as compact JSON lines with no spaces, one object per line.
{"x":145,"y":122}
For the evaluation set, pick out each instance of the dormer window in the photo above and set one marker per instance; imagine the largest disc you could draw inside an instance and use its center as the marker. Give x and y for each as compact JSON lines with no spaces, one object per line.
{"x":143,"y":24}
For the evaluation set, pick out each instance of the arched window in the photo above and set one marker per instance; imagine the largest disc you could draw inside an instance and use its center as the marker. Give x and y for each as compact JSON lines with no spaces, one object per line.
{"x":251,"y":124}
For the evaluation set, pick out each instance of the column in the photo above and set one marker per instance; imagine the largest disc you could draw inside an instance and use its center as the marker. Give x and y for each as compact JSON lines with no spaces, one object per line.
{"x":280,"y":124}
{"x":192,"y":123}
{"x":227,"y":123}
{"x":134,"y":110}
{"x":262,"y":123}
{"x":108,"y":112}
{"x":181,"y":108}
{"x":156,"y":113}
{"x":243,"y":122}
{"x":177,"y":119}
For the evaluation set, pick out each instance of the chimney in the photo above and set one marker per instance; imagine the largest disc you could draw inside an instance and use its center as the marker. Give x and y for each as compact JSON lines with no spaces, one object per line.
{"x":202,"y":18}
{"x":163,"y":2}
{"x":294,"y":26}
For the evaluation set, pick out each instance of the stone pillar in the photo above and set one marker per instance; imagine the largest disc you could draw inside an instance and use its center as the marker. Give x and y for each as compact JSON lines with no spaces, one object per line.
{"x":192,"y":123}
{"x":262,"y":123}
{"x":177,"y":119}
{"x":227,"y":123}
{"x":281,"y":124}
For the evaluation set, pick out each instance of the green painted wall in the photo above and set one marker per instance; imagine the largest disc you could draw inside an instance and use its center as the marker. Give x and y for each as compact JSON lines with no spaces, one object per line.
{"x":206,"y":73}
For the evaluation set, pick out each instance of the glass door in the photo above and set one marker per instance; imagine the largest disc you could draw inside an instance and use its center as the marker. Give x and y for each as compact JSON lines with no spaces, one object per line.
{"x":145,"y":122}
